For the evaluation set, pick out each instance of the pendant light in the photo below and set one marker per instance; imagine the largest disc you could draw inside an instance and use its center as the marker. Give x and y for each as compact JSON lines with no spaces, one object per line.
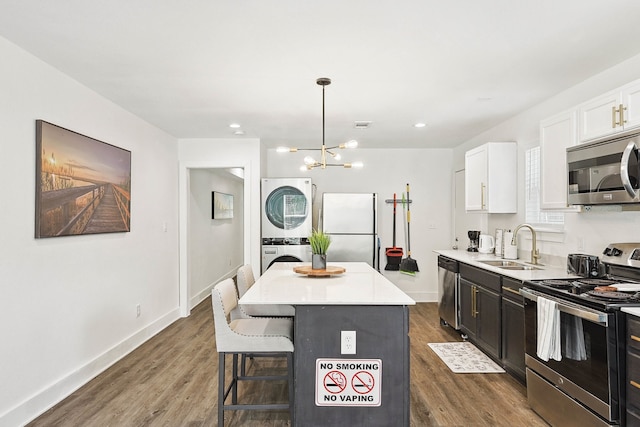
{"x":309,"y":161}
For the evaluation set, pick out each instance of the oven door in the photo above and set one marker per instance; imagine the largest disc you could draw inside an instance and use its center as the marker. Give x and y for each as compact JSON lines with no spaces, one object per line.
{"x":588,"y":369}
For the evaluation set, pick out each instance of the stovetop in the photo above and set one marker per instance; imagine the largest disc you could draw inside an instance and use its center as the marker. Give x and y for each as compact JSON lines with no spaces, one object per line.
{"x":621,"y":263}
{"x":596,"y":293}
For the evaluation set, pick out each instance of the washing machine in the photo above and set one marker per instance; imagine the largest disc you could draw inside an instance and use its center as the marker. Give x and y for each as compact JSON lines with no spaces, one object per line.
{"x":284,"y":250}
{"x":286,"y":208}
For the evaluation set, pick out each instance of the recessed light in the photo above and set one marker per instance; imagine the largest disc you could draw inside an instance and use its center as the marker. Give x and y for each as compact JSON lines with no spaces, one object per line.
{"x":419,"y":125}
{"x":239,"y":132}
{"x":234,"y":125}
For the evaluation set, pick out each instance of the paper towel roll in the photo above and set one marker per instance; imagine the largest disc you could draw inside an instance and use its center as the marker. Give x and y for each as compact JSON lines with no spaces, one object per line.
{"x":510,"y":251}
{"x":499,"y":242}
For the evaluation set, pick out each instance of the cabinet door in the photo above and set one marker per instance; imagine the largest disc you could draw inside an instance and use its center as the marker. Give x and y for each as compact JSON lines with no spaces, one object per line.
{"x":597,"y":117}
{"x":631,"y":100}
{"x":557,"y":133}
{"x":476,"y":165}
{"x":513,"y":337}
{"x":488,"y":321}
{"x":467,"y":307}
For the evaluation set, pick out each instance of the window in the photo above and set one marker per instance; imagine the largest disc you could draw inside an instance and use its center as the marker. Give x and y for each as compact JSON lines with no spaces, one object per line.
{"x":546,"y":220}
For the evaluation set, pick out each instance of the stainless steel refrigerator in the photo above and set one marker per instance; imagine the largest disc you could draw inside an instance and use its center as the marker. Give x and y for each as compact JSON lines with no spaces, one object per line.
{"x":351,"y":221}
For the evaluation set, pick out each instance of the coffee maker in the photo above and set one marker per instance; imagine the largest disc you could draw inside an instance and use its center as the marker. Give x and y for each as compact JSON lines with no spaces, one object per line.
{"x":474,"y":240}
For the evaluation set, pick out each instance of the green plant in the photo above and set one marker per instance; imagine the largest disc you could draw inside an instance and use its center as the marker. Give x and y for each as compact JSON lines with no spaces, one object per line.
{"x":319,"y":242}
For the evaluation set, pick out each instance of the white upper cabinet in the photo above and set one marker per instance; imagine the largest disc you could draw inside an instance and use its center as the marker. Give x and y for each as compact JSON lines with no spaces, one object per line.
{"x":557,"y":133}
{"x":490,"y":178}
{"x":610,"y":113}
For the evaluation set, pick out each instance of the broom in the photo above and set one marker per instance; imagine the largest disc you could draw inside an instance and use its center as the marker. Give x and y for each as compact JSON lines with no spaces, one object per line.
{"x":408,"y":265}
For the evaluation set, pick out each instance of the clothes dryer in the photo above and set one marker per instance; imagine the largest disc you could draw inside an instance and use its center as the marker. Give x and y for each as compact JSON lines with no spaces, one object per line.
{"x":286,"y":208}
{"x":281,"y":250}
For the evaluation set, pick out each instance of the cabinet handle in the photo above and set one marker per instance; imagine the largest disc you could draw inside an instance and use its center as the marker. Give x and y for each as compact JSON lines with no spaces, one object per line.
{"x":482,"y":191}
{"x":635,"y":384}
{"x":513,"y":291}
{"x":614,"y":110}
{"x":622,"y":119}
{"x":635,"y":338}
{"x":475,"y":302}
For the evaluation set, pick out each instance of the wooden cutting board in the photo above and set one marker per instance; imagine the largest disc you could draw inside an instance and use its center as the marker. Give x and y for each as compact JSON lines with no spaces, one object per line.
{"x":329,"y":271}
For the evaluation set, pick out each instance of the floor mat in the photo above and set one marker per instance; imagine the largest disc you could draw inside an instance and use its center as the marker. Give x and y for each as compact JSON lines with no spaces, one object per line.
{"x":465,"y":358}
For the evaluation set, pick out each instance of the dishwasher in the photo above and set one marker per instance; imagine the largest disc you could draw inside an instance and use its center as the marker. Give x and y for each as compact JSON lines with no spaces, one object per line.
{"x":449,"y":290}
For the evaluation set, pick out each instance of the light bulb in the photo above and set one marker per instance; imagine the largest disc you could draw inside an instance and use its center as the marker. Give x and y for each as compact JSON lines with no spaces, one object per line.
{"x":304,"y":168}
{"x":282,"y":149}
{"x":351,"y":144}
{"x":357,"y":165}
{"x":308,"y":160}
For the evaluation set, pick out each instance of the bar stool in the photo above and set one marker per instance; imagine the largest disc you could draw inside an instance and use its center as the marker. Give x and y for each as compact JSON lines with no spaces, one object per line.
{"x":245,"y":280}
{"x":264,"y":336}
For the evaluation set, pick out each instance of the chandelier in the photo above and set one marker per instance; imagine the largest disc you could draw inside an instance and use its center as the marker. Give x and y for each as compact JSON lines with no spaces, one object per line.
{"x":309,"y":161}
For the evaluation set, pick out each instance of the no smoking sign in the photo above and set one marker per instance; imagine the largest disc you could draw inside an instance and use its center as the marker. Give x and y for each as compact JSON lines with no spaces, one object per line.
{"x":348,"y":382}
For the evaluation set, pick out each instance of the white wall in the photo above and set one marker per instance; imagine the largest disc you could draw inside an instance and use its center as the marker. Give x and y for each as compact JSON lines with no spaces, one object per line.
{"x":428,"y":171}
{"x":596,"y":228}
{"x":215,"y":245}
{"x":69,"y":303}
{"x":195,"y":154}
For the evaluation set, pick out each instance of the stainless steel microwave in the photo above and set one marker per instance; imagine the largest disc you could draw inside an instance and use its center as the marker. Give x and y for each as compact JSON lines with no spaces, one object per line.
{"x":605,"y":171}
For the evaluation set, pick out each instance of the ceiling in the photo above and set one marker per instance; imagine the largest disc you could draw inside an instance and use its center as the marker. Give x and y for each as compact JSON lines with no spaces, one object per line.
{"x":193,"y":67}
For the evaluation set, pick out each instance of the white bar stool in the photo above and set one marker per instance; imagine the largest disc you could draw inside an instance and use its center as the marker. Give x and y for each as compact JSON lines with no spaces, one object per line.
{"x":264,"y":336}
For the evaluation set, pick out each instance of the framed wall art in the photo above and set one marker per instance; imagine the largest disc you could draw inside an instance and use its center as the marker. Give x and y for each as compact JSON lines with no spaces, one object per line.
{"x":83,"y":186}
{"x":221,"y":205}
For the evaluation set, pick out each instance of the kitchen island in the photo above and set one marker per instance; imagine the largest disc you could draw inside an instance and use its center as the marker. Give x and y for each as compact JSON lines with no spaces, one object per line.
{"x":360,"y":377}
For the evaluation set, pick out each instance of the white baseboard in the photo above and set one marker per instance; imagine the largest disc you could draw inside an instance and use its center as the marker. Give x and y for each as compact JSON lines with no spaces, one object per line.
{"x":423,"y":296}
{"x":206,"y":292}
{"x":56,"y":392}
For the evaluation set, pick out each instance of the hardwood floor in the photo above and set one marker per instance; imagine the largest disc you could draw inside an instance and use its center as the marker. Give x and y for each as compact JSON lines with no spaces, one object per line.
{"x":171,"y":380}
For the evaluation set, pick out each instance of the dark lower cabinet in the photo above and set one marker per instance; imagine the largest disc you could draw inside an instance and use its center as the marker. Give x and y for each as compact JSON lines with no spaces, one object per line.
{"x":467,"y":308}
{"x":633,"y":371}
{"x":513,"y":328}
{"x":492,"y":317}
{"x":480,"y":308}
{"x":488,"y":327}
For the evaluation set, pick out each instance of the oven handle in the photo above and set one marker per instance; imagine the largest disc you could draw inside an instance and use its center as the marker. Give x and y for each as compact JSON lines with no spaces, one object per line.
{"x":624,"y":168}
{"x":569,"y":308}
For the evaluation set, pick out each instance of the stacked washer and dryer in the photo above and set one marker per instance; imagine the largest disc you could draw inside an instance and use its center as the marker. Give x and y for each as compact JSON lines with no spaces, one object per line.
{"x":286,"y":220}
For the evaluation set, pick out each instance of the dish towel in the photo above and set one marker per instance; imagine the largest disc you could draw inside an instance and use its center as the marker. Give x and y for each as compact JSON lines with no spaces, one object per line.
{"x":574,"y":345}
{"x":549,"y":346}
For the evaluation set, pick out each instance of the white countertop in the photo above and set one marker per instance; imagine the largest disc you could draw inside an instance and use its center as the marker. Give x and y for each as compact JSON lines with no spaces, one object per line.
{"x":475,"y":258}
{"x":632,"y":310}
{"x":358,"y":285}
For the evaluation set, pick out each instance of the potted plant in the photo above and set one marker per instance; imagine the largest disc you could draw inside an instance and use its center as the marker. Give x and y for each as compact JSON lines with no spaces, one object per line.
{"x":319,"y":244}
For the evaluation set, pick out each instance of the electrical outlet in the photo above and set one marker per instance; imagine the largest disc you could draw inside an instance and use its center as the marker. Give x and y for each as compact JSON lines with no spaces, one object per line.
{"x":138,"y":311}
{"x":348,"y":342}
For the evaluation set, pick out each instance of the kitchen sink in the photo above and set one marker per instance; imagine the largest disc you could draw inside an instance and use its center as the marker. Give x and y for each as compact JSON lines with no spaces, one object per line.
{"x":510,"y":265}
{"x":502,"y":263}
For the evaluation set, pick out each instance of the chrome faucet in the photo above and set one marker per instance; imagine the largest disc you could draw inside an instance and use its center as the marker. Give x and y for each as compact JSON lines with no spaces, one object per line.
{"x":535,"y":253}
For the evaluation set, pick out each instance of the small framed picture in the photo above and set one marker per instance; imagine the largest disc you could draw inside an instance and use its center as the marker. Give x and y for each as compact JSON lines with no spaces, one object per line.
{"x":221,"y":205}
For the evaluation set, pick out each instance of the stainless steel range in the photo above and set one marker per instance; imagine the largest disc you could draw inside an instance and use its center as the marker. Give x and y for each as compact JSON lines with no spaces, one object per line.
{"x":581,"y":381}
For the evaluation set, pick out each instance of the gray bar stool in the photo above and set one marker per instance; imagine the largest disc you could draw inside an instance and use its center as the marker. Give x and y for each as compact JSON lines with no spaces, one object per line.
{"x":264,"y":336}
{"x":245,"y":280}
